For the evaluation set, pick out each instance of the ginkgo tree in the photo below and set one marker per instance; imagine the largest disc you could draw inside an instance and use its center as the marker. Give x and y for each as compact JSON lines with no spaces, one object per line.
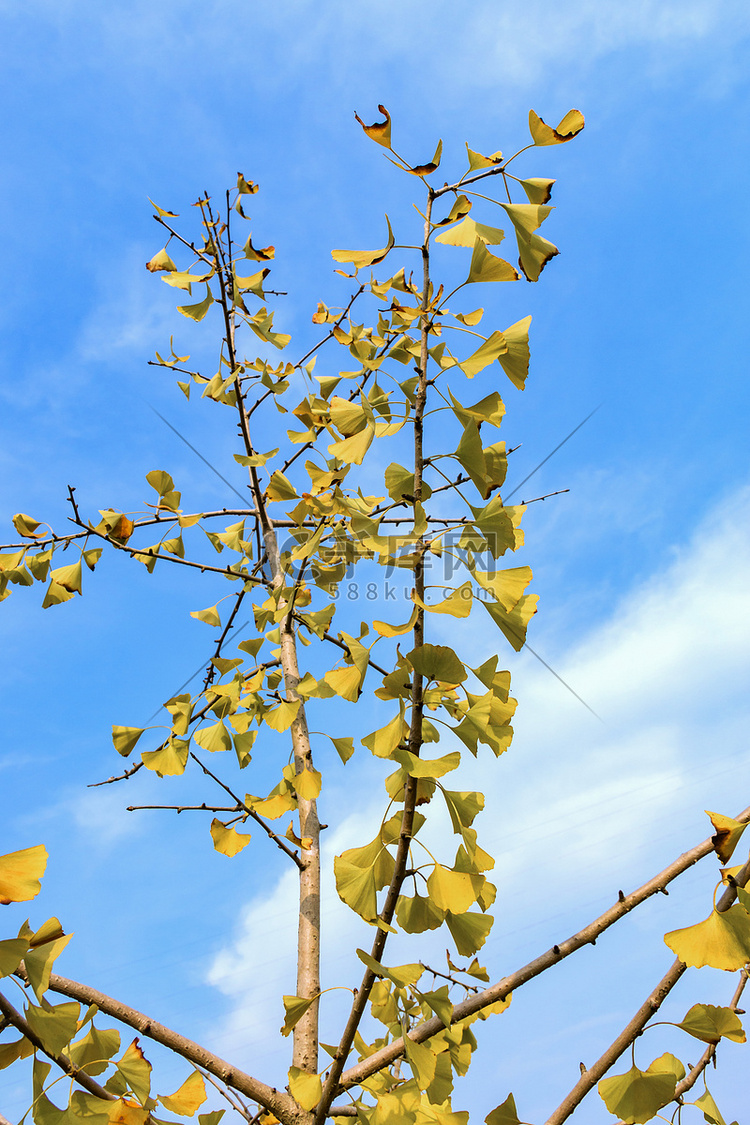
{"x":408,"y":341}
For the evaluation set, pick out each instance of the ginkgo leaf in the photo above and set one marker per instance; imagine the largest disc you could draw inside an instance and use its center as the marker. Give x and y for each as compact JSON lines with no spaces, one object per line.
{"x":209,"y":616}
{"x":161,"y":261}
{"x":125,"y":738}
{"x":380,"y":131}
{"x":69,"y":577}
{"x":360,"y":258}
{"x":94,"y":1049}
{"x":469,"y":931}
{"x":470,"y":319}
{"x":468,"y":231}
{"x":199,"y":310}
{"x":440,"y":1003}
{"x":136,"y":1070}
{"x":384,"y":741}
{"x":463,"y":807}
{"x":416,"y":915}
{"x":710,"y":1024}
{"x":160,"y":481}
{"x":504,"y":1114}
{"x":538,"y":190}
{"x":39,"y":963}
{"x":352,"y":450}
{"x":189,"y":1098}
{"x":526,"y":217}
{"x":305,"y":1088}
{"x":534,"y":253}
{"x":124,"y":1111}
{"x":477,"y":160}
{"x":437,"y":662}
{"x":400,"y":484}
{"x":711,"y":1113}
{"x":506,"y":586}
{"x":245,"y":187}
{"x":256,"y":254}
{"x":346,"y":682}
{"x":728,"y":832}
{"x":20,"y":874}
{"x":461,"y":206}
{"x":400,"y":975}
{"x":216,"y":738}
{"x":426,"y":767}
{"x":170,"y":760}
{"x":543,"y":134}
{"x":431,"y":166}
{"x":638,"y":1095}
{"x":281,"y":718}
{"x":515,"y":361}
{"x":11,"y":952}
{"x":26,"y":525}
{"x":493,"y":347}
{"x":280,"y":487}
{"x":451,"y":890}
{"x":161,"y":211}
{"x":294,"y":1009}
{"x":226,"y":839}
{"x":356,"y":887}
{"x":486,"y":267}
{"x":344,"y":747}
{"x":490,"y":409}
{"x":308,"y":784}
{"x":514,"y":624}
{"x":721,"y":941}
{"x":457,"y":603}
{"x":387,"y":630}
{"x":55,"y":1024}
{"x":422,"y":1061}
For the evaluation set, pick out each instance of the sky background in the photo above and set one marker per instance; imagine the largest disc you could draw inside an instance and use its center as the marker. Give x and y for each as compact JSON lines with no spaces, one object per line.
{"x":642,"y":568}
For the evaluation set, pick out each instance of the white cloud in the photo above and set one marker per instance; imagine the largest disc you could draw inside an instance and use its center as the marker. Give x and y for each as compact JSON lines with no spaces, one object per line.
{"x":577,"y":807}
{"x":513,"y":42}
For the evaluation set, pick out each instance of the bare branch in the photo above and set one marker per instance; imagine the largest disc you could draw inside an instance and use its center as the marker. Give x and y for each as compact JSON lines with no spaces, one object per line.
{"x":630,"y":1033}
{"x":500,"y":990}
{"x":279,"y":1103}
{"x":80,"y":1076}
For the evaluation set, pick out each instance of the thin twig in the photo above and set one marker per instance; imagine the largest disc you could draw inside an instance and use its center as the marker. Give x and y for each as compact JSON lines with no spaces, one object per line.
{"x":235,"y":1102}
{"x":253,"y":815}
{"x":708,"y":1055}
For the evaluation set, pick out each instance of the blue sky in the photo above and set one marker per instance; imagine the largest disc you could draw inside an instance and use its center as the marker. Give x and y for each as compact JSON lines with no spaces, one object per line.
{"x":642,"y":567}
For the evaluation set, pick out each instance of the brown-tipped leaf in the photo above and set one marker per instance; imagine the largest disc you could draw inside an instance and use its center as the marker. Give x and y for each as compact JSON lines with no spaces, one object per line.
{"x":379,"y":131}
{"x":543,"y":134}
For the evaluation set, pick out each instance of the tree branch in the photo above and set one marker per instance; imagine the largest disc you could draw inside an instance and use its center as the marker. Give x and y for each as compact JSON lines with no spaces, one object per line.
{"x":80,"y":1076}
{"x":331,"y":1085}
{"x":279,"y":1103}
{"x":695,"y":1072}
{"x":631,"y":1032}
{"x":253,"y":815}
{"x":502,"y":988}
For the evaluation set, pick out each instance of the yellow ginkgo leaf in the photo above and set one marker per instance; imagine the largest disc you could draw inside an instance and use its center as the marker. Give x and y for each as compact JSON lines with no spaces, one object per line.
{"x":226,"y":839}
{"x":305,"y":1088}
{"x":189,"y":1098}
{"x":20,"y":873}
{"x":722,"y":941}
{"x":728,"y":832}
